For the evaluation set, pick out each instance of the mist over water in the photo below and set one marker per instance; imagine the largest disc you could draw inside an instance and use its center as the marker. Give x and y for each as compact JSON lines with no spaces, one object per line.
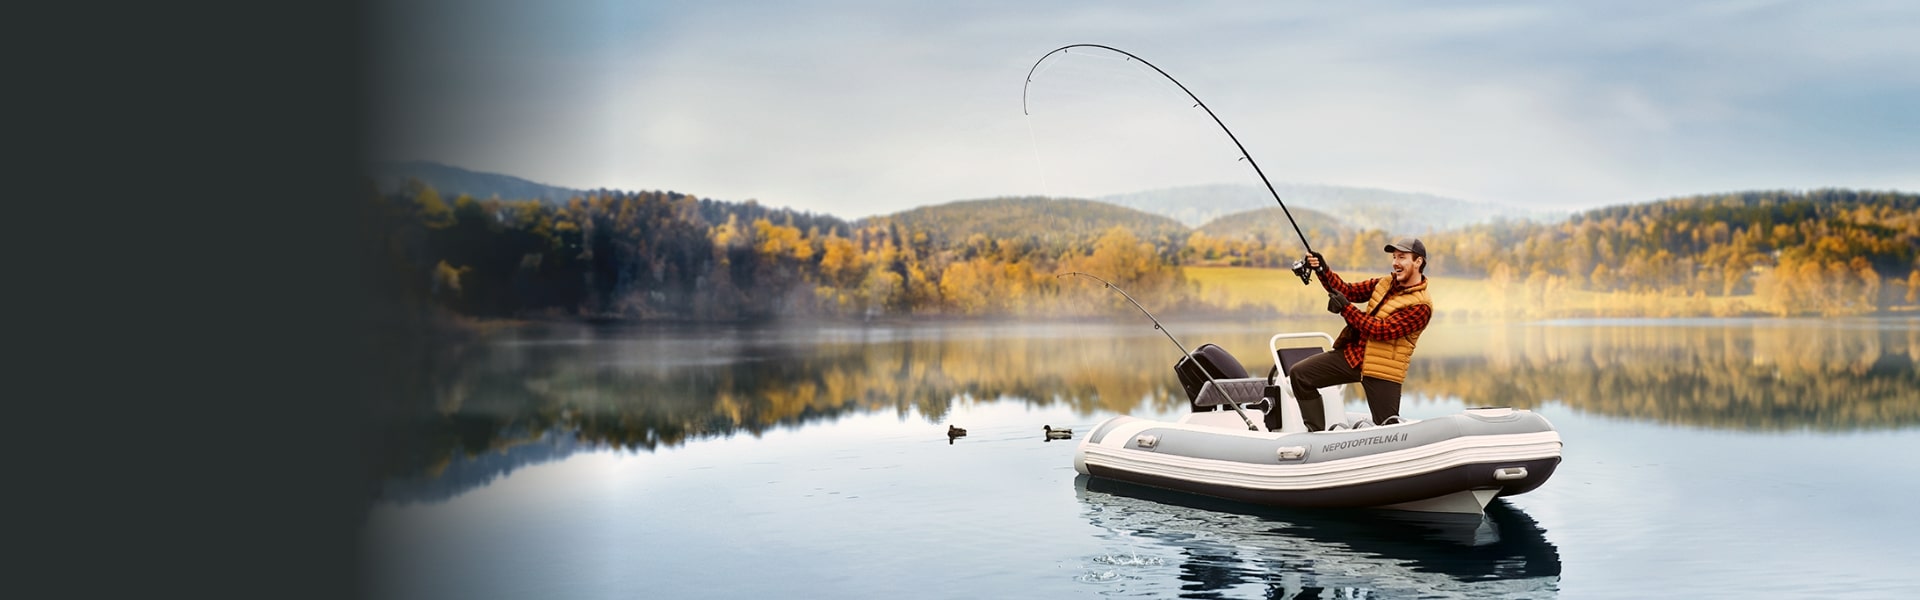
{"x":564,"y":461}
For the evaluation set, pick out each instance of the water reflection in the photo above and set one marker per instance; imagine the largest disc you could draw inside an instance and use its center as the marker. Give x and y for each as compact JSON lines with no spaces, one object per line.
{"x":1245,"y":549}
{"x":461,"y":473}
{"x":645,"y":388}
{"x":1828,"y":375}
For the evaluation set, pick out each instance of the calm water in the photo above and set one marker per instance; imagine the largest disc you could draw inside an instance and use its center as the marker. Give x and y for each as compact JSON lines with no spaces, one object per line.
{"x":1714,"y":458}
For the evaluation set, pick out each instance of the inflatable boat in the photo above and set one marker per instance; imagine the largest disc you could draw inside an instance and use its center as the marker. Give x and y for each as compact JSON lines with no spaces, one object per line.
{"x":1454,"y":463}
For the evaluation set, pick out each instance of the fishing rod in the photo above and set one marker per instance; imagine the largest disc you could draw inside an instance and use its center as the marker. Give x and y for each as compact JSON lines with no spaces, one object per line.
{"x":1184,"y":354}
{"x":1299,"y":267}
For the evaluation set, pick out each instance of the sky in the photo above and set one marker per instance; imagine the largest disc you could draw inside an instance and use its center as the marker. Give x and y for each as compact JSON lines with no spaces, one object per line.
{"x":858,"y":108}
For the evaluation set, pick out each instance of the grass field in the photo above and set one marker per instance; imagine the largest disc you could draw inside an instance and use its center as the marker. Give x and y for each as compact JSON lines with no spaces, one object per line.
{"x":1235,"y":287}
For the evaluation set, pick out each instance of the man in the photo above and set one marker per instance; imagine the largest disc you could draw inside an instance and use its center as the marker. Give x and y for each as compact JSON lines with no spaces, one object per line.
{"x":1377,"y":344}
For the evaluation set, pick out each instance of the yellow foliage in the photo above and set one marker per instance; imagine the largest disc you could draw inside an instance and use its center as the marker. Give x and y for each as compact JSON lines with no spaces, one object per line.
{"x":968,"y":286}
{"x":880,"y":288}
{"x":840,"y":262}
{"x":1123,"y":259}
{"x":432,"y":210}
{"x":730,"y":233}
{"x":777,"y":241}
{"x":446,"y":277}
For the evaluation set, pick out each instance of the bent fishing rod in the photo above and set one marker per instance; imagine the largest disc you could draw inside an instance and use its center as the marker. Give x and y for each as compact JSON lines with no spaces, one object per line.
{"x":1299,"y":268}
{"x":1184,"y":354}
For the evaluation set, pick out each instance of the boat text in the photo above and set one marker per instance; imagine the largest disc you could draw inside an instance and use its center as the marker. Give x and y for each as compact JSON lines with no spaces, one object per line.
{"x":1357,"y":442}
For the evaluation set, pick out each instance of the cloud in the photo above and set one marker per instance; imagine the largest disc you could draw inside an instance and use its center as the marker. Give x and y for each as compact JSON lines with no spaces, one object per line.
{"x":859,"y":108}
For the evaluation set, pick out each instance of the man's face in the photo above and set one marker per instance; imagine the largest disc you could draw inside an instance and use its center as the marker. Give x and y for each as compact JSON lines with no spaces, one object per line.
{"x":1406,"y":267}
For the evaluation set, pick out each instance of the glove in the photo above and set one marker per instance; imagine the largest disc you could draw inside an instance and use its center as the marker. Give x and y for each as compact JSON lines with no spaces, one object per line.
{"x":1320,"y":259}
{"x":1337,"y":303}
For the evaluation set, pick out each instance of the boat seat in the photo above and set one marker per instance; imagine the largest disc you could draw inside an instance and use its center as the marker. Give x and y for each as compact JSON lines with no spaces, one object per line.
{"x":1208,"y":362}
{"x":1289,"y":349}
{"x":1245,"y":390}
{"x":1286,"y":357}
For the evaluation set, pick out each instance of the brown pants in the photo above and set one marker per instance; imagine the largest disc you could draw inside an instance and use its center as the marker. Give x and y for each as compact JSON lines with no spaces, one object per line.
{"x":1329,"y":369}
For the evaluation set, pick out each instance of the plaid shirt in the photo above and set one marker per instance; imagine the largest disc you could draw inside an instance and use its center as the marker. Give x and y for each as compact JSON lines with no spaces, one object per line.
{"x":1401,"y":323}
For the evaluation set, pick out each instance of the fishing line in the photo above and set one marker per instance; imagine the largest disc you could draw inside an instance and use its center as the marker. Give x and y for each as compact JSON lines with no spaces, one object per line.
{"x":1033,"y":139}
{"x":1032,"y":132}
{"x":1184,"y":354}
{"x":1039,"y":165}
{"x":1197,"y":103}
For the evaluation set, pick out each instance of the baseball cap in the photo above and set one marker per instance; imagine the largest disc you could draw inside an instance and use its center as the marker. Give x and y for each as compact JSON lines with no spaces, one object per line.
{"x":1409,"y":245}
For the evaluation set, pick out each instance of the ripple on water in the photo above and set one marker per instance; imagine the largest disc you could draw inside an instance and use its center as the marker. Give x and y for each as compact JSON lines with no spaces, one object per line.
{"x":1129,"y":560}
{"x":1100,"y":577}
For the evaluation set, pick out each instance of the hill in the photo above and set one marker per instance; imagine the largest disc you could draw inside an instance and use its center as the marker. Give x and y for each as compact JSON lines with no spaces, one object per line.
{"x":669,"y":256}
{"x":453,"y":181}
{"x":1270,"y":224}
{"x":1827,"y":251}
{"x":1360,"y":208}
{"x":1733,"y":232}
{"x":1263,"y":237}
{"x":1050,"y":224}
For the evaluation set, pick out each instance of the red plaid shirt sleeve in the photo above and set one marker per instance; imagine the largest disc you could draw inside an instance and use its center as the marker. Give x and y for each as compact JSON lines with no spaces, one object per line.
{"x":1401,"y":323}
{"x":1355,"y":292}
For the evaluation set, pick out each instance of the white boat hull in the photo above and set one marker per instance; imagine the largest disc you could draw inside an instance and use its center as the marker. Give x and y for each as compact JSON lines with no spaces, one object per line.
{"x":1456,"y":463}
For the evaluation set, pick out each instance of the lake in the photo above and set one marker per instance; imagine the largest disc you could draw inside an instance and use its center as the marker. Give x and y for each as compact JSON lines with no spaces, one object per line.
{"x":1703,"y":458}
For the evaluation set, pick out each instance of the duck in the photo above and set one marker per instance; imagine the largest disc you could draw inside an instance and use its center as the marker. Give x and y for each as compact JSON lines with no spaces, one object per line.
{"x":1056,"y":434}
{"x":954,"y":432}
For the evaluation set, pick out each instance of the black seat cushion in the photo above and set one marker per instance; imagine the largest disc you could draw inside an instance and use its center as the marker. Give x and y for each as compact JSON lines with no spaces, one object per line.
{"x":1216,"y":362}
{"x":1288,"y":356}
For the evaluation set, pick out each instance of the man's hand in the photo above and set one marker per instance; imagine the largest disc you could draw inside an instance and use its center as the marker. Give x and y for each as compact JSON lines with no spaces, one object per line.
{"x":1316,"y":262}
{"x":1337,"y":303}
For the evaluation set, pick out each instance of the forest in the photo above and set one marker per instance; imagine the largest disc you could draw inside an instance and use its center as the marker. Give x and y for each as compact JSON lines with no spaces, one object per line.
{"x":609,"y":255}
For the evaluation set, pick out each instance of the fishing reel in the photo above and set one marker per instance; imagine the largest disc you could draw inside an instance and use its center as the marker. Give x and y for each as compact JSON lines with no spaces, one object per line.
{"x":1306,"y":273}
